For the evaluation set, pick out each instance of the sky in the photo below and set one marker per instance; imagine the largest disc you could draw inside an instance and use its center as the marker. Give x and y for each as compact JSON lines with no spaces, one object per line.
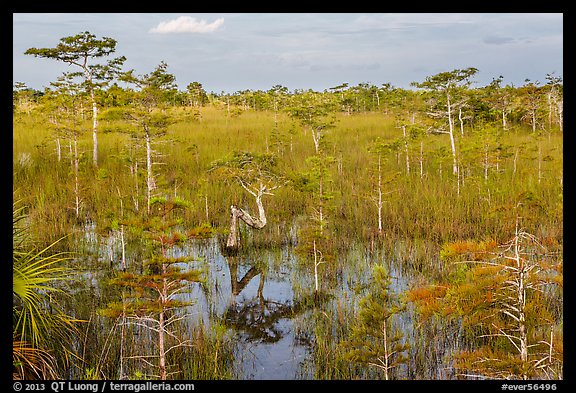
{"x":230,"y":52}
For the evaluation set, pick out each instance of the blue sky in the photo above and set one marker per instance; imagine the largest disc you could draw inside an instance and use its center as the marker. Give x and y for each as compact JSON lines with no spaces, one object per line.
{"x":239,"y":51}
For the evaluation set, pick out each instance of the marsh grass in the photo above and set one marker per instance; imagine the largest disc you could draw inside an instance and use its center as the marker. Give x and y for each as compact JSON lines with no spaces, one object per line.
{"x":433,"y":206}
{"x":422,"y":211}
{"x":211,"y":355}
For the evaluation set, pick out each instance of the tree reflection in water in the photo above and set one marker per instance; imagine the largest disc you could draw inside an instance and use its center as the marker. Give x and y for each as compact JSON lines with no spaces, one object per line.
{"x":258,"y":318}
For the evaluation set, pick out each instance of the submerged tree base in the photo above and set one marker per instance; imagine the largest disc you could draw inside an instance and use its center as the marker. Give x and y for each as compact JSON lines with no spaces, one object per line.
{"x":235,"y":214}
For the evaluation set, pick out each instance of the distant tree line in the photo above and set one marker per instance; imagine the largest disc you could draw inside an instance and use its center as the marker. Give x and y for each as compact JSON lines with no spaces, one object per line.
{"x":539,"y":105}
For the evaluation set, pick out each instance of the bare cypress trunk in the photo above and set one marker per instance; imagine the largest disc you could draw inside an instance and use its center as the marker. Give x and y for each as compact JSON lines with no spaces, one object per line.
{"x":88,"y":77}
{"x":149,"y":176}
{"x":94,"y":128}
{"x":315,"y":269}
{"x":122,"y":242}
{"x":161,"y":321}
{"x":54,"y":121}
{"x":406,"y":149}
{"x":161,"y":350}
{"x":123,"y":323}
{"x":253,"y":222}
{"x":136,"y":204}
{"x":452,"y":143}
{"x":461,"y":122}
{"x":386,"y":356}
{"x":71,"y":152}
{"x":379,"y":195}
{"x":550,"y":110}
{"x":76,"y":177}
{"x":316,"y":134}
{"x":560,"y":111}
{"x":551,"y":343}
{"x":521,"y":300}
{"x":485,"y":162}
{"x":58,"y":149}
{"x":233,"y":237}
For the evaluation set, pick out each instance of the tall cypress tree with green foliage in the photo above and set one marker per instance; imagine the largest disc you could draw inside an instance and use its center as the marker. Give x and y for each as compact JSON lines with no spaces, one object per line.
{"x":78,"y":50}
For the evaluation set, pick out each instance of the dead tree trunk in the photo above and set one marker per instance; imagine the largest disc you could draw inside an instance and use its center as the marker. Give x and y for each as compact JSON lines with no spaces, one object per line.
{"x":233,"y":236}
{"x":253,"y":222}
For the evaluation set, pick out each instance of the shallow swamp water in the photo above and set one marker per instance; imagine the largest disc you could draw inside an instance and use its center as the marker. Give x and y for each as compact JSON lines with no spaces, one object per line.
{"x":265,"y":300}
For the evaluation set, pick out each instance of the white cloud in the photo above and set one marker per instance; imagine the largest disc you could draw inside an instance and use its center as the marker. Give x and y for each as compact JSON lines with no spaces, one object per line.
{"x":187,"y":24}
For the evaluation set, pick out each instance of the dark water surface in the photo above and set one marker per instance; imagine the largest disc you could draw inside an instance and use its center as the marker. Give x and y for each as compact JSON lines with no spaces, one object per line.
{"x":256,"y":299}
{"x":263,"y":297}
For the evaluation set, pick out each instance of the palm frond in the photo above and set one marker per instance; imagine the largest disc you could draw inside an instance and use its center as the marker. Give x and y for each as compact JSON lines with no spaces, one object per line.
{"x":38,"y":319}
{"x":31,"y":363}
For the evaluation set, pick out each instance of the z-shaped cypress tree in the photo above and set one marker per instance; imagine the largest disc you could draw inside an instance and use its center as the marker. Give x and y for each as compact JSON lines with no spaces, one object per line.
{"x":254,"y":173}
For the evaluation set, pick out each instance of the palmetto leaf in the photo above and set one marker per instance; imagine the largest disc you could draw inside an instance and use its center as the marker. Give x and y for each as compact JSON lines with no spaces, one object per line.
{"x":36,"y":276}
{"x":31,"y":362}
